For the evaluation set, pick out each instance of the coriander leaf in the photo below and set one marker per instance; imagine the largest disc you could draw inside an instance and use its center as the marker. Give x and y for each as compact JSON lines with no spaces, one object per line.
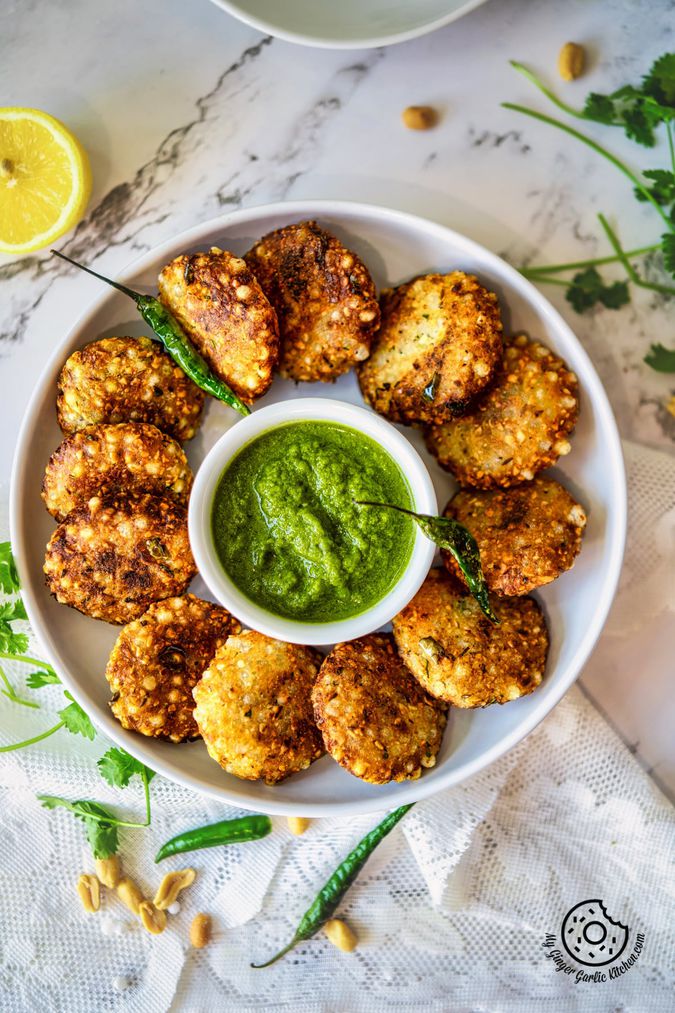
{"x":75,"y":720}
{"x":587,"y":288}
{"x":11,"y":642}
{"x":83,"y":808}
{"x":103,"y":838}
{"x":117,"y":767}
{"x":663,"y":188}
{"x":9,"y":578}
{"x":449,"y":534}
{"x":668,"y":247}
{"x":660,"y":81}
{"x":36,"y":680}
{"x":10,"y":611}
{"x":661,"y":359}
{"x":599,"y":108}
{"x":639,"y":126}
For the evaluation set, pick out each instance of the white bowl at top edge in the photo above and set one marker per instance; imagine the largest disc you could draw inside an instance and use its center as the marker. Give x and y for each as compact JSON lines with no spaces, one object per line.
{"x":347,"y":24}
{"x":201,"y":507}
{"x":395,"y":246}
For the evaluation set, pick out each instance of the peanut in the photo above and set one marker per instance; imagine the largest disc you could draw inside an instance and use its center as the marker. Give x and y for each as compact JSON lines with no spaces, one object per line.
{"x":171,"y":886}
{"x":90,"y":893}
{"x":129,"y":894}
{"x":298,"y":824}
{"x":340,"y":935}
{"x":419,"y":117}
{"x":571,"y":61}
{"x":200,"y":930}
{"x":108,"y":871}
{"x":153,"y":919}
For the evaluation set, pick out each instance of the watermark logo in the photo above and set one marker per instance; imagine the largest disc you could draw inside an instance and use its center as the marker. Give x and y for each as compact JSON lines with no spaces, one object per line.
{"x":590,"y":937}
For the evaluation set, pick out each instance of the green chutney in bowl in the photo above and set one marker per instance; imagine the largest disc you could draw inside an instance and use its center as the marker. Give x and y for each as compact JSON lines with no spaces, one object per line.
{"x":288,"y":532}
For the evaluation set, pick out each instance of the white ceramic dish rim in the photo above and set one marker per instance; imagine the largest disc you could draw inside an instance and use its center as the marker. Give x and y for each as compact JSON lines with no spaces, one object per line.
{"x":201,"y":506}
{"x":412,"y":791}
{"x":324,"y":42}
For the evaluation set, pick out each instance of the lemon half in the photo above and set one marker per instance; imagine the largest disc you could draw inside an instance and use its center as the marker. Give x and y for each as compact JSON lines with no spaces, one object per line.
{"x":45,"y":180}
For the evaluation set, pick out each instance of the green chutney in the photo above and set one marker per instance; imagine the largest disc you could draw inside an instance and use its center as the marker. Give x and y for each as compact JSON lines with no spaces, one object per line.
{"x":289,"y":534}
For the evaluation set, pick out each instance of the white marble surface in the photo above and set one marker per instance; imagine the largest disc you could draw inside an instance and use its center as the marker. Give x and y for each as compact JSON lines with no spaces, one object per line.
{"x":186,"y":113}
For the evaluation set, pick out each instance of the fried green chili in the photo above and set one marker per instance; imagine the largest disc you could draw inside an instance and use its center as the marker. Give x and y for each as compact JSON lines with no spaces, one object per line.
{"x":238,"y":831}
{"x":171,"y":336}
{"x":335,"y":888}
{"x":453,"y":536}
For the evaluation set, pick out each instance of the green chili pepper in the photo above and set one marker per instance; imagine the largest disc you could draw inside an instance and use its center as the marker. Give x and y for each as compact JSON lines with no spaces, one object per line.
{"x":336,"y":887}
{"x":451,"y":535}
{"x":171,"y":336}
{"x":246,"y":828}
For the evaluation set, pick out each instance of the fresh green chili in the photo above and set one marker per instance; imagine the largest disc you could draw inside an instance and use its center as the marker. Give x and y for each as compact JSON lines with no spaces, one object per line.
{"x":334,"y":889}
{"x":246,"y":828}
{"x":449,"y":534}
{"x":171,"y":336}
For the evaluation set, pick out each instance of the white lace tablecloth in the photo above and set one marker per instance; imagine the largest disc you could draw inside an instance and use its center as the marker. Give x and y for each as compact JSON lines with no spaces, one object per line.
{"x":453,"y":910}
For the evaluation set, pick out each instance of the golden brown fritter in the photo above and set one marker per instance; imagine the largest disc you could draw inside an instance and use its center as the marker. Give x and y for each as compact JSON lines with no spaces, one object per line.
{"x":158,"y":660}
{"x":254,"y":708}
{"x":129,"y":457}
{"x":458,"y":656}
{"x":527,"y":535}
{"x":111,"y":559}
{"x":225,"y":313}
{"x":127,"y":380}
{"x":324,"y":297}
{"x":439,"y":345}
{"x":375,"y":719}
{"x":519,"y":427}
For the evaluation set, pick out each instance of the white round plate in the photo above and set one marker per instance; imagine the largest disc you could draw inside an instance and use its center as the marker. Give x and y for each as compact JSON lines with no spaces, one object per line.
{"x":395,"y":246}
{"x":347,"y":24}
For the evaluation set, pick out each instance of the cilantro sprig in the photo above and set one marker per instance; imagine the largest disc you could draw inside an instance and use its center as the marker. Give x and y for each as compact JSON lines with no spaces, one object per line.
{"x":639,"y":110}
{"x":117,"y":767}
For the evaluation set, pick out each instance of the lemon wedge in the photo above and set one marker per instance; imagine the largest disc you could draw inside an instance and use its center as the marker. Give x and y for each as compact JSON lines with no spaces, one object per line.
{"x":45,"y":180}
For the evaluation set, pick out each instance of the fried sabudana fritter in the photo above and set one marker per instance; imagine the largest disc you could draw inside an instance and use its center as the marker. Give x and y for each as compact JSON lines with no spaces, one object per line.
{"x":439,"y":345}
{"x":225,"y":313}
{"x":127,"y":380}
{"x":458,"y":656}
{"x":519,"y":427}
{"x":111,"y":559}
{"x":254,"y":709}
{"x":129,"y":457}
{"x":324,"y":297}
{"x":375,"y":719}
{"x":527,"y":535}
{"x":157,"y":661}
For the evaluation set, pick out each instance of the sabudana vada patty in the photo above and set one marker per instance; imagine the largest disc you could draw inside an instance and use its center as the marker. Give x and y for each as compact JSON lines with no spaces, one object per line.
{"x":438,"y":346}
{"x":129,"y":457}
{"x":111,"y":559}
{"x":254,"y":708}
{"x":127,"y":380}
{"x":519,"y":427}
{"x":459,"y":656}
{"x":157,"y":661}
{"x":375,"y":719}
{"x":324,"y":297}
{"x":527,"y":535}
{"x":225,"y":313}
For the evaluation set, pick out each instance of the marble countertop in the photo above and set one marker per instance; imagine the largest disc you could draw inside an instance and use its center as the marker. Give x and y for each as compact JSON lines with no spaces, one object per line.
{"x":187,"y":114}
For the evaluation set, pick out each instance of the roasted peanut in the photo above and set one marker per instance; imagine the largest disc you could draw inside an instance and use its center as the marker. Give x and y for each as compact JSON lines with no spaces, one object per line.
{"x":171,"y":886}
{"x":109,"y":871}
{"x":129,"y":894}
{"x":298,"y":824}
{"x":153,"y":919}
{"x":571,"y":61}
{"x":340,"y":935}
{"x":90,"y":893}
{"x":420,"y":117}
{"x":200,"y":930}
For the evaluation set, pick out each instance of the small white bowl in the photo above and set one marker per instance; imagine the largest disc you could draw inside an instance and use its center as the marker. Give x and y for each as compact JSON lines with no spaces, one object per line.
{"x":201,"y":506}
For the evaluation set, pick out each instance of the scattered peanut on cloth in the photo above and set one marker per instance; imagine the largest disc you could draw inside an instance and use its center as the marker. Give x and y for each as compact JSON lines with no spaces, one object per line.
{"x":571,"y":61}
